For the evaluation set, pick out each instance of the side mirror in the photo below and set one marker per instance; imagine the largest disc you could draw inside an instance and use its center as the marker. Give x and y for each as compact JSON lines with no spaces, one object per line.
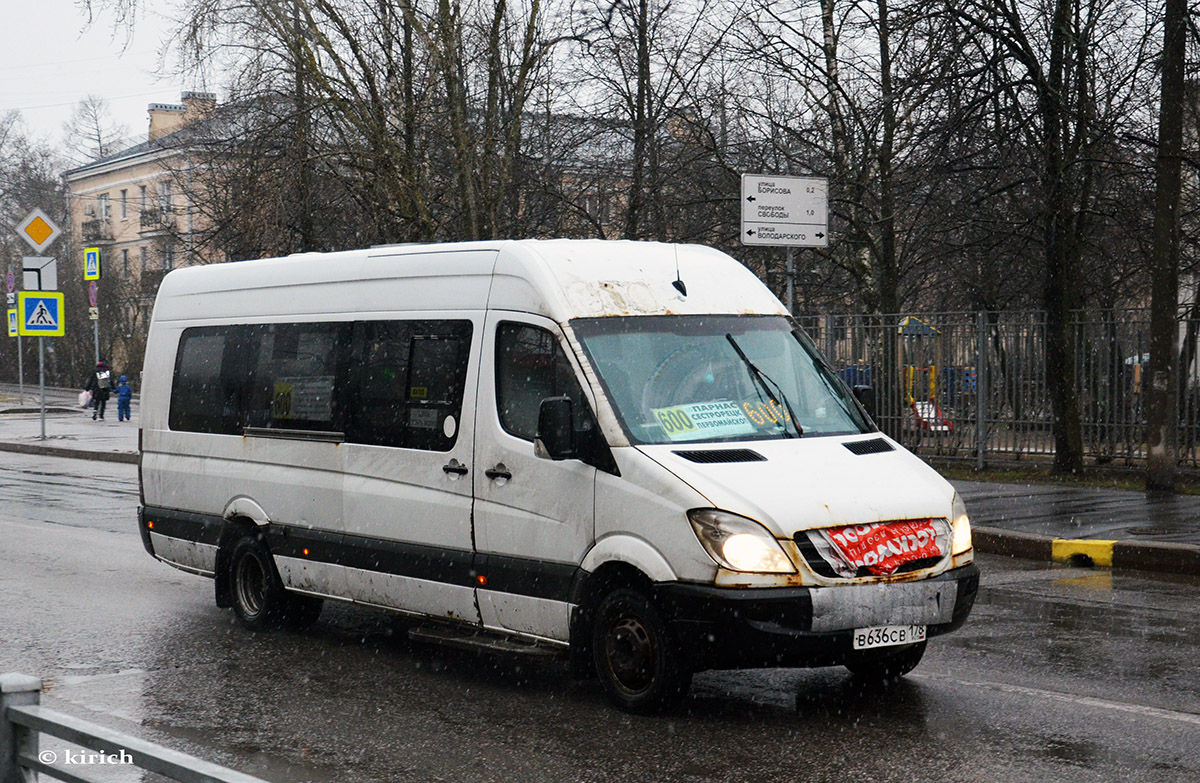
{"x":556,"y":430}
{"x":866,"y":398}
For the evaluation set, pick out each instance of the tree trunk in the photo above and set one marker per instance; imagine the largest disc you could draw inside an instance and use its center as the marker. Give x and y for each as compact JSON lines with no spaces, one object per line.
{"x":1162,"y":420}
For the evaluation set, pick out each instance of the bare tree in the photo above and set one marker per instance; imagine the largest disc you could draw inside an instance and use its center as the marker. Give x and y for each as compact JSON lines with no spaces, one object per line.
{"x":1071,"y":73}
{"x":91,"y":133}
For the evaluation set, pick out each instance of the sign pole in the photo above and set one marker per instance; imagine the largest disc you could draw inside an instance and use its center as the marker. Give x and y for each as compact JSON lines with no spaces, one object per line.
{"x":791,"y":281}
{"x":21,"y":368}
{"x":96,"y":339}
{"x":42,"y":380}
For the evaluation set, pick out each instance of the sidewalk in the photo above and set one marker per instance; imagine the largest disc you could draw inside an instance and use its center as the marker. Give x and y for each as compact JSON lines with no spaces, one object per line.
{"x":70,"y":431}
{"x":1105,"y":527}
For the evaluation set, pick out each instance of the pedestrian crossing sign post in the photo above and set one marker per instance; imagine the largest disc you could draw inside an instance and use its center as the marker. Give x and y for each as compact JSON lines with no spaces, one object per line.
{"x":91,"y":263}
{"x":40,"y":314}
{"x":12,"y":323}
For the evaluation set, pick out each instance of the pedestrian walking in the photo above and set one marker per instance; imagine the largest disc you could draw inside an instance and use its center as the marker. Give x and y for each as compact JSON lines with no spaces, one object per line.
{"x":100,"y":384}
{"x":124,"y":397}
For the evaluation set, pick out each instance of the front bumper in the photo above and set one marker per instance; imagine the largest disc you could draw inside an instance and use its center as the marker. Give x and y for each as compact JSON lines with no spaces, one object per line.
{"x":733,"y":628}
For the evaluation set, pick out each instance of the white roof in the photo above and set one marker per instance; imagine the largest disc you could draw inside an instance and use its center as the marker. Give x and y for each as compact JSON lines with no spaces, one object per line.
{"x":560,"y":278}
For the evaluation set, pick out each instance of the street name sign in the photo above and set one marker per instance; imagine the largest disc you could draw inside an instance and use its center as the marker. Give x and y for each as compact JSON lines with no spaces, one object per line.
{"x":785,"y":211}
{"x":40,"y":314}
{"x":38,"y":230}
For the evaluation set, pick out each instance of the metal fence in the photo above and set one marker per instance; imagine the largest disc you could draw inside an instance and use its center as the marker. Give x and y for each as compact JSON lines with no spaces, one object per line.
{"x":23,"y":720}
{"x":974,"y":386}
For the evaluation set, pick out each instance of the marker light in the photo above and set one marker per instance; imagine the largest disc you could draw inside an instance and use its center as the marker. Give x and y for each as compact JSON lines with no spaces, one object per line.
{"x":738,"y":543}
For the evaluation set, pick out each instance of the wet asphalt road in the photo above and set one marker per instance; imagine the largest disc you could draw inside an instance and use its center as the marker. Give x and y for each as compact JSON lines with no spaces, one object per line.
{"x":1061,"y":675}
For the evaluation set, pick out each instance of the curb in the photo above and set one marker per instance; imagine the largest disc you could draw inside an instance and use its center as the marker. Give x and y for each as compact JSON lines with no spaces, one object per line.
{"x":1155,"y":556}
{"x":127,"y":457}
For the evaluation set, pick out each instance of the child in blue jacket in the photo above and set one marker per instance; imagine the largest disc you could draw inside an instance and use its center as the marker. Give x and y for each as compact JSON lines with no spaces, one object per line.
{"x":124,"y":396}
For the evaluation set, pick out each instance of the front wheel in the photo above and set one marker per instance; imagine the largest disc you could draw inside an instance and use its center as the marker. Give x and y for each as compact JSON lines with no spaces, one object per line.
{"x":637,"y":659}
{"x":886,"y":664}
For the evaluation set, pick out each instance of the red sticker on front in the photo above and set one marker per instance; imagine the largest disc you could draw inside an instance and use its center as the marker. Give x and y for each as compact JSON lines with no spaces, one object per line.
{"x":884,"y":547}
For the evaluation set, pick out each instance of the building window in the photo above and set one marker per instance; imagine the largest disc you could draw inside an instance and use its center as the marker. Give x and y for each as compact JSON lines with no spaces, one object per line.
{"x":168,"y":258}
{"x":144,"y":199}
{"x":124,"y":204}
{"x":142,"y":255}
{"x":164,"y":198}
{"x":104,"y":210}
{"x":125,"y":262}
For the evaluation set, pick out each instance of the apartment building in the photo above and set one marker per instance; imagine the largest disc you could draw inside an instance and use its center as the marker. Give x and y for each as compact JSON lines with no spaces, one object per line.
{"x":130,"y":204}
{"x":133,"y":205}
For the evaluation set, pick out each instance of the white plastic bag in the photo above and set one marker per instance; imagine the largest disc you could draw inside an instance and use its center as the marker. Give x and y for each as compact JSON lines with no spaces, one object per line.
{"x":85,"y":399}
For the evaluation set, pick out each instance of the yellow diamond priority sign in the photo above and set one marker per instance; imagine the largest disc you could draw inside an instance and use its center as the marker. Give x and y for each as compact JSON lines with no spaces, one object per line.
{"x":38,"y":230}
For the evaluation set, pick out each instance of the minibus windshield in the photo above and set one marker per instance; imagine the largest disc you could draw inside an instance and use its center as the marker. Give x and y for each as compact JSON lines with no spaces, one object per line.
{"x":712,"y":378}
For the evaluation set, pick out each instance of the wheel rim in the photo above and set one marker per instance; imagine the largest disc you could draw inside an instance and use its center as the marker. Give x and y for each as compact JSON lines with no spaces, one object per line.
{"x":631,"y":654}
{"x":250,"y":585}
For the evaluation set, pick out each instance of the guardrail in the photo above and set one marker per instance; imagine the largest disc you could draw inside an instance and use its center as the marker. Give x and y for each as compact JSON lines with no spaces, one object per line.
{"x":23,"y":720}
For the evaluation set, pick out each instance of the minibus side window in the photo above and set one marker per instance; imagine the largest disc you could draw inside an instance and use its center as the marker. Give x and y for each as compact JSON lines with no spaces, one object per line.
{"x":296,"y":377}
{"x":411,"y":378}
{"x":531,"y":366}
{"x":202,"y":398}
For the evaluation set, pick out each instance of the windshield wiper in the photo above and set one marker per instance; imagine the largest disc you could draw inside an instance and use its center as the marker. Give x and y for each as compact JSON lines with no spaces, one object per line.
{"x":769,"y":386}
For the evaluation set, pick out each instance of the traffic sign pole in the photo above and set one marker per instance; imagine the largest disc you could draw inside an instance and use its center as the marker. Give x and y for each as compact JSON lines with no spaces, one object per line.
{"x":42,"y":380}
{"x":10,"y":282}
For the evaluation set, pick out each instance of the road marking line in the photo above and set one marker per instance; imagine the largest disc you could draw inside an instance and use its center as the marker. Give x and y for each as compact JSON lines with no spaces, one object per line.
{"x":1084,"y":701}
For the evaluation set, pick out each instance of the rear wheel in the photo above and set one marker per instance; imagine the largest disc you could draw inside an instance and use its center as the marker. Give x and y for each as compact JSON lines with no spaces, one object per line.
{"x":259,"y":598}
{"x":886,"y":664}
{"x":638,"y":661}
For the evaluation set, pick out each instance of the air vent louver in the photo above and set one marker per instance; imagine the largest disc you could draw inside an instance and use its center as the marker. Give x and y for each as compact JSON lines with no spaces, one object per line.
{"x":874,"y":446}
{"x":721,"y":455}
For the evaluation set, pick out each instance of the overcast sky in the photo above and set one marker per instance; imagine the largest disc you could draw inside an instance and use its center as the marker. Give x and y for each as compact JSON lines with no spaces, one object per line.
{"x":49,"y":61}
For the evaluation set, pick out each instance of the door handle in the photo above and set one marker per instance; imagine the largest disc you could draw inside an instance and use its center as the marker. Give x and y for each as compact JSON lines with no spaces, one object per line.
{"x":455,"y":467}
{"x":498,"y":472}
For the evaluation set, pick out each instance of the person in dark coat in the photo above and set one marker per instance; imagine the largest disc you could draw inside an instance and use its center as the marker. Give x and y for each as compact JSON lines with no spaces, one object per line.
{"x":100,"y":385}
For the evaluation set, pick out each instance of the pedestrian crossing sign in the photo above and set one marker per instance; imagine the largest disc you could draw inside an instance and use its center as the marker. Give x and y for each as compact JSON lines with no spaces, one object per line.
{"x":40,"y":314}
{"x":12,"y":323}
{"x":91,"y":263}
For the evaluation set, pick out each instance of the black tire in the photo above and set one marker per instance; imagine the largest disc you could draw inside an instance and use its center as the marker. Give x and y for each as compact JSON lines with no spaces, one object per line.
{"x":887,"y":664}
{"x":259,"y":599}
{"x":638,"y":661}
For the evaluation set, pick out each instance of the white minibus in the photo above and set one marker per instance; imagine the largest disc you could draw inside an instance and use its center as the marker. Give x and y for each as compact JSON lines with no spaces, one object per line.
{"x":624,"y":453}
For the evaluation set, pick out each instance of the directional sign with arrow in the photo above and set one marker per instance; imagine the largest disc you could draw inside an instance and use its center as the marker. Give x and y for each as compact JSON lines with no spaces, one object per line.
{"x":785,"y":211}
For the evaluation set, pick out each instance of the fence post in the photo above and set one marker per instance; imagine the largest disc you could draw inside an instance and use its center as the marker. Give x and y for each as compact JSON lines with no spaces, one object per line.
{"x":981,"y":395}
{"x":16,"y":690}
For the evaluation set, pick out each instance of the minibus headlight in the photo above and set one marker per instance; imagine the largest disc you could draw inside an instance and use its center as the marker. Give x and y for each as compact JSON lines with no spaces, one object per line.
{"x":962,"y":527}
{"x":738,"y":543}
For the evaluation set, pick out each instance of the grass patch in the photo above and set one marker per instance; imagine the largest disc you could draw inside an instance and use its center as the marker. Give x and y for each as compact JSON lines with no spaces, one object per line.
{"x":1102,"y":478}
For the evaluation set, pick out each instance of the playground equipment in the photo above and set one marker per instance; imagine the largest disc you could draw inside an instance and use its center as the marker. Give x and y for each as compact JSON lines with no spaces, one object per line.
{"x":928,"y":412}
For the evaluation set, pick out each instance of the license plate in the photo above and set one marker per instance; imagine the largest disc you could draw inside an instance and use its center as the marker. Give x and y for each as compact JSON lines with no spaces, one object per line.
{"x":887,"y":636}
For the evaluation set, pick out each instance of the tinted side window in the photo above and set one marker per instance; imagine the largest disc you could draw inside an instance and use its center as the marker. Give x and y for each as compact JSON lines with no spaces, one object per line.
{"x":411,"y":380}
{"x":295,"y":375}
{"x":282,"y":376}
{"x":200,"y":399}
{"x":530,"y":366}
